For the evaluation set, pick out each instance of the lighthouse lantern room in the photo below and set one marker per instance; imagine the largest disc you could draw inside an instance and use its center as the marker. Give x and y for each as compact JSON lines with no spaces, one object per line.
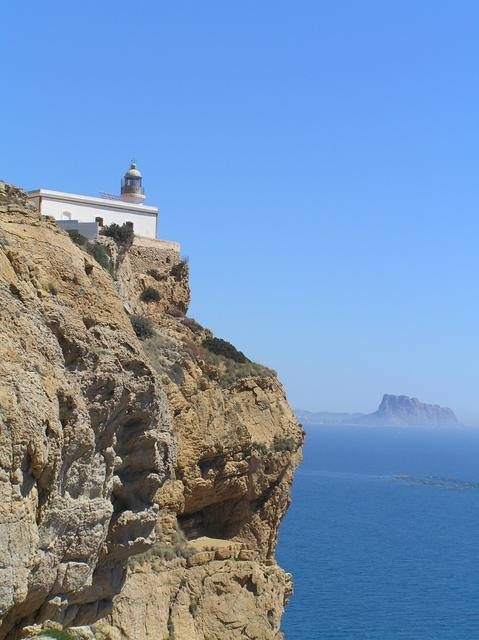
{"x":131,"y":187}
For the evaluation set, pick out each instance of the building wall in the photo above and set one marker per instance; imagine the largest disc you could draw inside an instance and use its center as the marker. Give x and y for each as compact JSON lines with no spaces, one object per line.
{"x":143,"y":224}
{"x":87,"y":229}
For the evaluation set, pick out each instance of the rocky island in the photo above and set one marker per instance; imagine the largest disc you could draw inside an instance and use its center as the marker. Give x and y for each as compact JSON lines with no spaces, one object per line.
{"x":145,"y":464}
{"x":393,"y":411}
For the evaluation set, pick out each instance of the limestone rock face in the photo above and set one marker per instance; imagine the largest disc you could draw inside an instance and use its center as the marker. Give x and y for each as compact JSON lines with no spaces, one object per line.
{"x":219,"y":600}
{"x":145,"y":266}
{"x":238,"y":446}
{"x":85,"y":440}
{"x":158,"y":470}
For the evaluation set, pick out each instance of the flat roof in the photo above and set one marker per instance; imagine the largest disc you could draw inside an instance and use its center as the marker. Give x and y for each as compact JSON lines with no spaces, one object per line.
{"x":104,"y":202}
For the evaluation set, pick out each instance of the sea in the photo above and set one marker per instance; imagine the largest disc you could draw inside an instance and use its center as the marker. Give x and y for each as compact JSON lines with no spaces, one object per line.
{"x":382,"y":536}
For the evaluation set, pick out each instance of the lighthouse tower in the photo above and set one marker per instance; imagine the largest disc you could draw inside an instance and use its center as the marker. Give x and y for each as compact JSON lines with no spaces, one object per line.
{"x":131,"y":189}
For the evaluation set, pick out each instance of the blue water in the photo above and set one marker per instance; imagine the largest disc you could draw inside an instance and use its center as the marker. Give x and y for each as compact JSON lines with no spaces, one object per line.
{"x":376,"y":557}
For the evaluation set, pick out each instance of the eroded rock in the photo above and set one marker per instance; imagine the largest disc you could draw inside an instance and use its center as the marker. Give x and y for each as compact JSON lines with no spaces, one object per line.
{"x":85,"y":440}
{"x":110,"y":448}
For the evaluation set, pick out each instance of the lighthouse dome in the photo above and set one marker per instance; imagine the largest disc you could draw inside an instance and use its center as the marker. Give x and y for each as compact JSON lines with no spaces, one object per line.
{"x":133,"y":171}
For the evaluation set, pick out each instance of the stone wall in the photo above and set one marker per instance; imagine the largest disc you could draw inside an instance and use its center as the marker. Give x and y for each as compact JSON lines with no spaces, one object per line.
{"x":147,"y":255}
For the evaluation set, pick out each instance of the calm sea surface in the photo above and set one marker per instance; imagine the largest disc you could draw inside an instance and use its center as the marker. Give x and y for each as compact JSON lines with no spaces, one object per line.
{"x":376,"y":557}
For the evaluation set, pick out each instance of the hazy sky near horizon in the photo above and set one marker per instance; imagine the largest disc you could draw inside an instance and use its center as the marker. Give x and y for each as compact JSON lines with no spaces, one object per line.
{"x":318,"y":161}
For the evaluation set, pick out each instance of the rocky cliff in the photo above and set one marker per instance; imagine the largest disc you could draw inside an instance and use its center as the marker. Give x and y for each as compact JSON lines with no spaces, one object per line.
{"x":393,"y":411}
{"x":86,"y":441}
{"x":140,"y":456}
{"x":409,"y":412}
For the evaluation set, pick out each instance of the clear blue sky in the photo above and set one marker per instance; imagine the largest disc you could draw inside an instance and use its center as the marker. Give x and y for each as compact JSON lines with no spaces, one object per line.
{"x":317,"y":160}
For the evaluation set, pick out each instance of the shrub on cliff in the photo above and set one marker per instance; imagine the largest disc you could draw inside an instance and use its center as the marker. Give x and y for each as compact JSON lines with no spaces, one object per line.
{"x":170,"y":547}
{"x":122,"y":234}
{"x":55,"y":634}
{"x":193,"y":325}
{"x":226,"y":370}
{"x":95,"y":250}
{"x":150,"y":294}
{"x":99,"y":253}
{"x":232,"y":372}
{"x":175,"y":312}
{"x":261,"y":448}
{"x":142,"y":326}
{"x":284,"y":444}
{"x":157,"y":274}
{"x":221,"y":347}
{"x":77,"y":237}
{"x":179,"y":269}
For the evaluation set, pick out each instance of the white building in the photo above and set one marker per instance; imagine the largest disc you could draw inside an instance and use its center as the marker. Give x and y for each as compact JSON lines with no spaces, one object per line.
{"x":87,"y":213}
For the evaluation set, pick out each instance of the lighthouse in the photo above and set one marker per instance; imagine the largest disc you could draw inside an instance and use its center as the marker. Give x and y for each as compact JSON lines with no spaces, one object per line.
{"x":131,"y":188}
{"x":86,"y":214}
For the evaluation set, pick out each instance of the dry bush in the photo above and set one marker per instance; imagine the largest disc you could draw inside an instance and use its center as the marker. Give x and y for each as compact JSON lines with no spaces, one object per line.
{"x":142,"y":326}
{"x":150,"y":294}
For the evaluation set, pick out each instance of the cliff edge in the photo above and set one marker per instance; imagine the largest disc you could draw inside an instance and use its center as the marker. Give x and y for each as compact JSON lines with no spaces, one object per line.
{"x":146,"y":464}
{"x":85,"y":436}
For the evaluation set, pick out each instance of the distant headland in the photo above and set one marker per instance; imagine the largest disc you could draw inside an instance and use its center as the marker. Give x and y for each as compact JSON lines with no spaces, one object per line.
{"x":394,"y":411}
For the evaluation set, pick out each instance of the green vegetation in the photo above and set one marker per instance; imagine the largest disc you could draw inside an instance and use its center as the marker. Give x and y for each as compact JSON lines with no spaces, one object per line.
{"x":95,"y":250}
{"x":100,"y":254}
{"x":193,"y":608}
{"x":55,"y":634}
{"x":224,"y":348}
{"x":227,"y":370}
{"x":77,"y":237}
{"x":175,"y":312}
{"x":122,"y":234}
{"x":284,"y":444}
{"x":192,"y":324}
{"x":280,"y":444}
{"x":165,"y":358}
{"x":261,"y":448}
{"x":156,"y":274}
{"x":174,"y":545}
{"x":233,"y":372}
{"x":179,"y":269}
{"x":150,"y":294}
{"x":142,"y":326}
